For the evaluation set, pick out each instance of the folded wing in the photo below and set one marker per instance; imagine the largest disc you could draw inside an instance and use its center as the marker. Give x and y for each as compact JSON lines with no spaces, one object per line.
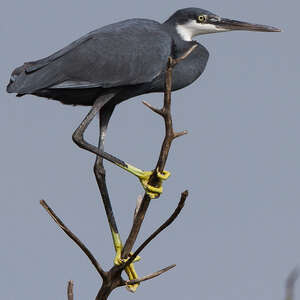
{"x":125,"y":53}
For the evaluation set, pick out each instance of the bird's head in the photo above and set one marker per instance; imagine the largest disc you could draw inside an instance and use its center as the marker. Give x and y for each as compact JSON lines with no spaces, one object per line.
{"x":190,"y":22}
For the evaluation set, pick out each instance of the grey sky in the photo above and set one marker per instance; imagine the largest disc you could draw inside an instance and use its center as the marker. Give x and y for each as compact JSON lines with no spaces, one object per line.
{"x":238,"y":236}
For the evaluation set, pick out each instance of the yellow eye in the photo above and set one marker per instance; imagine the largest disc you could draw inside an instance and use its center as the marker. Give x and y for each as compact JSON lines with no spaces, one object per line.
{"x":202,"y":18}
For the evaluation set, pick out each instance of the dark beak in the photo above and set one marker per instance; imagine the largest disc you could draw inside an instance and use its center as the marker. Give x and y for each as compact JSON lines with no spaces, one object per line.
{"x":238,"y":25}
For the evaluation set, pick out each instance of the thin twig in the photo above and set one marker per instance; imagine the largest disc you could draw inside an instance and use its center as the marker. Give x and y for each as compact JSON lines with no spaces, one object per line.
{"x":138,"y":205}
{"x":151,"y":276}
{"x":170,"y":135}
{"x":154,"y":109}
{"x":70,"y":290}
{"x":71,"y":235}
{"x":290,"y":284}
{"x":160,"y":229}
{"x":186,"y":54}
{"x":179,"y":134}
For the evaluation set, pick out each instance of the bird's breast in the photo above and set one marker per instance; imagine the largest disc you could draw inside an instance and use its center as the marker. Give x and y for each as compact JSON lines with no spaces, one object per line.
{"x":189,"y":69}
{"x":186,"y":71}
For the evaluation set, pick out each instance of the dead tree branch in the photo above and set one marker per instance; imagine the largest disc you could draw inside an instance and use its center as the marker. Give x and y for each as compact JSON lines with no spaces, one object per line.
{"x":70,"y":290}
{"x":151,"y":276}
{"x":170,"y":135}
{"x":160,"y":229}
{"x":72,"y":236}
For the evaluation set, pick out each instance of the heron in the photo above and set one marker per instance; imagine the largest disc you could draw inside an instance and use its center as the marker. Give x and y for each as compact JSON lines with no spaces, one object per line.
{"x":118,"y":62}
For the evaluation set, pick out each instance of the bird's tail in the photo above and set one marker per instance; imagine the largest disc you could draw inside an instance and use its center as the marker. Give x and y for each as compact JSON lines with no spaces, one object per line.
{"x":14,"y":82}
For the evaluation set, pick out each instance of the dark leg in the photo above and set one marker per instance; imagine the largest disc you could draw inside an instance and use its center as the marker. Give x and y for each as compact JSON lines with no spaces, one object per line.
{"x":144,"y":177}
{"x":105,"y":114}
{"x":78,"y":134}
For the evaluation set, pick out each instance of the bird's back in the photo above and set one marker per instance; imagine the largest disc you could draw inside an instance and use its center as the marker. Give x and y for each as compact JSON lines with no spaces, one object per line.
{"x":125,"y":53}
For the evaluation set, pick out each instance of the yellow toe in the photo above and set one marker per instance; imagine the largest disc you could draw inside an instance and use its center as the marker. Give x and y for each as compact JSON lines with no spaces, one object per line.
{"x":131,"y":273}
{"x":144,"y":177}
{"x":164,"y":175}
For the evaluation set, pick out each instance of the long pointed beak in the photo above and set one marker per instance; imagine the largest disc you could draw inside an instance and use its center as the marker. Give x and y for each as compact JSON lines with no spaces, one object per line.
{"x":229,"y":24}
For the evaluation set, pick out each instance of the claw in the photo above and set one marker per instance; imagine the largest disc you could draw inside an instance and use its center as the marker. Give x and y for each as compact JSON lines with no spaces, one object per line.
{"x":131,"y":273}
{"x":164,"y":175}
{"x":118,"y":261}
{"x":144,"y":177}
{"x":130,"y":270}
{"x":152,"y":191}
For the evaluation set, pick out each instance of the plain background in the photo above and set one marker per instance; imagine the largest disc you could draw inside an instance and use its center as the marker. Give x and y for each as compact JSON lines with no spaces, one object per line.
{"x":238,"y":236}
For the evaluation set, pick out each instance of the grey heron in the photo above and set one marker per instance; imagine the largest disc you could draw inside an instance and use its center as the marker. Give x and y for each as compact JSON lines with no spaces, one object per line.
{"x":118,"y":62}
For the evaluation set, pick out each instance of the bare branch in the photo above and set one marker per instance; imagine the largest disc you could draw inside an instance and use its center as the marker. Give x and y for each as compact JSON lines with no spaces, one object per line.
{"x":70,"y":290}
{"x":71,"y":235}
{"x":138,"y":205}
{"x":179,"y":134}
{"x":290,"y":284}
{"x":151,"y":276}
{"x":165,"y":112}
{"x":185,"y":55}
{"x":160,"y":229}
{"x":156,"y":110}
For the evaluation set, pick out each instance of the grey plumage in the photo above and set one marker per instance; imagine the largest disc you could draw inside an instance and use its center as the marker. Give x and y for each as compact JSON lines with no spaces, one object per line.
{"x":121,"y":61}
{"x":127,"y":59}
{"x":130,"y":54}
{"x":111,"y":56}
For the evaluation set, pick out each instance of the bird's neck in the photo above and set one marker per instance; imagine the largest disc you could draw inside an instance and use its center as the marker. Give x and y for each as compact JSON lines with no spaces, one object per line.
{"x":179,"y":44}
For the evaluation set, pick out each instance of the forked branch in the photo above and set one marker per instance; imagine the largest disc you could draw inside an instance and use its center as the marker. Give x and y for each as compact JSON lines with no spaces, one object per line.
{"x":151,"y":276}
{"x":170,"y":135}
{"x":72,"y":236}
{"x":160,"y":229}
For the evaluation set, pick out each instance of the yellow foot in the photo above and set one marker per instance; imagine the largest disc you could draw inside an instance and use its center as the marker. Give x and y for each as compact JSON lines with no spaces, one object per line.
{"x":144,"y":176}
{"x":130,"y":270}
{"x":118,"y":261}
{"x":131,"y":273}
{"x":153,"y":191}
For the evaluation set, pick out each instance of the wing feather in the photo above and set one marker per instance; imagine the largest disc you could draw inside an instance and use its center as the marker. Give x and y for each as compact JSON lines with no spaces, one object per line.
{"x":125,"y":53}
{"x":38,"y":64}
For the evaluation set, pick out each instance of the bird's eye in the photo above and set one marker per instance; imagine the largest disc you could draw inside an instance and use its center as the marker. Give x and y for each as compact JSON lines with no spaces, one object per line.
{"x":202,"y":19}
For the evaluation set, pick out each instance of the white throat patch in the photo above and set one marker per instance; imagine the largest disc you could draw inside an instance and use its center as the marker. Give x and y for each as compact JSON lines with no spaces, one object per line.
{"x":190,"y":29}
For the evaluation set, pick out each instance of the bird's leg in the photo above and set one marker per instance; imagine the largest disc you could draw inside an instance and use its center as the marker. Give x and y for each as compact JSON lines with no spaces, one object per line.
{"x":143,"y":176}
{"x":105,"y":114}
{"x":79,"y":132}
